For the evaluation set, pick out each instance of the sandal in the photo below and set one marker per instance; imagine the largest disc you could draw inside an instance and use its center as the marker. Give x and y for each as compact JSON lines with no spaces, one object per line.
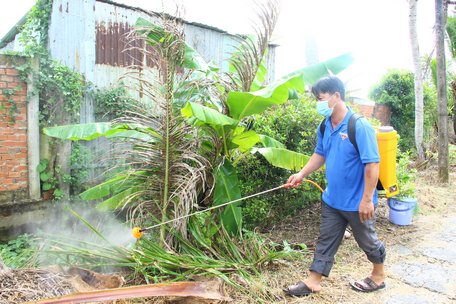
{"x":366,"y":285}
{"x":300,"y":289}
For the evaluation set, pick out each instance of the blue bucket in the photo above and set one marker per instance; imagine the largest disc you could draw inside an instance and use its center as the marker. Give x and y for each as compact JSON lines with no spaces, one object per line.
{"x":401,"y":210}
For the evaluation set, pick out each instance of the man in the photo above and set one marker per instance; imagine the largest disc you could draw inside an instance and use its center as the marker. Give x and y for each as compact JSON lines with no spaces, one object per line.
{"x":350,"y":196}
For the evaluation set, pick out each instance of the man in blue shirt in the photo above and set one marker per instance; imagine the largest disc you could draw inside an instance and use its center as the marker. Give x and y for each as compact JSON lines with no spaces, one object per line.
{"x":350,"y":196}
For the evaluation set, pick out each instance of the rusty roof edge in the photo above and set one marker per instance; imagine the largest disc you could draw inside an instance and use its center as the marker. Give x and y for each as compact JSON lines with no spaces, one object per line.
{"x":15,"y":29}
{"x":156,"y":14}
{"x":150,"y":13}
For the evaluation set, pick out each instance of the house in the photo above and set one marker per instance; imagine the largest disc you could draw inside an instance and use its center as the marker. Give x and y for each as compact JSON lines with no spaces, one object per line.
{"x":88,"y":36}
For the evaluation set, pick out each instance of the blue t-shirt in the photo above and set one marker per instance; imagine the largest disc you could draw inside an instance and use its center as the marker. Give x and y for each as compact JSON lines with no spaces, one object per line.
{"x":344,"y":165}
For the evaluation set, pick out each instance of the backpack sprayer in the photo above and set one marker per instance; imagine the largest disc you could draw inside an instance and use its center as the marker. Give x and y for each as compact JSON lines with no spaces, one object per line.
{"x":387,"y":139}
{"x":138,"y":231}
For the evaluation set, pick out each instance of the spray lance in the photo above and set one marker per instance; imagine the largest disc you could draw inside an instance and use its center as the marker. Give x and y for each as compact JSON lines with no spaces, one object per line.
{"x":138,"y":231}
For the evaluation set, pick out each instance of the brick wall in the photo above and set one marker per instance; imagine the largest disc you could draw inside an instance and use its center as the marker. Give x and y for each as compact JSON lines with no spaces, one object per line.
{"x":382,"y":113}
{"x":366,"y":111}
{"x":379,"y":111}
{"x":13,"y":135}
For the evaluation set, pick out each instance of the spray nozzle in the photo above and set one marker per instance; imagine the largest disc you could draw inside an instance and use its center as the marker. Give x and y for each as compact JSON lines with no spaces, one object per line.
{"x":137,"y":232}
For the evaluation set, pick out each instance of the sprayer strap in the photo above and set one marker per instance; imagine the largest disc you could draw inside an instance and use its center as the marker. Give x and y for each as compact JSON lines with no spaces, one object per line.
{"x":351,"y":129}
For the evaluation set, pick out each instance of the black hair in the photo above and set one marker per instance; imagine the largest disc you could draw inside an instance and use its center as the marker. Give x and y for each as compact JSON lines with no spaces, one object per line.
{"x":329,"y":84}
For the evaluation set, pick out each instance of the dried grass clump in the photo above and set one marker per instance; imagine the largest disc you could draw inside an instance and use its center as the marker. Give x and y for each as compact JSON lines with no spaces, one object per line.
{"x":18,"y":286}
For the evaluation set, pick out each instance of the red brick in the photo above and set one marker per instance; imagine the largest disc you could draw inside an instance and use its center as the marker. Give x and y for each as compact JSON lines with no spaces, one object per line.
{"x":22,"y":168}
{"x":7,"y":157}
{"x":2,"y":85}
{"x":17,"y":137}
{"x":14,"y":174}
{"x":19,"y":98}
{"x":17,"y":144}
{"x":12,"y":72}
{"x":14,"y":187}
{"x":22,"y":91}
{"x":7,"y":78}
{"x":21,"y":117}
{"x":12,"y":84}
{"x":7,"y":131}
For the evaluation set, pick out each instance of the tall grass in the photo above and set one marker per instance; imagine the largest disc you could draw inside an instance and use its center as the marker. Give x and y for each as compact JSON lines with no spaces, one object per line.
{"x":211,"y":252}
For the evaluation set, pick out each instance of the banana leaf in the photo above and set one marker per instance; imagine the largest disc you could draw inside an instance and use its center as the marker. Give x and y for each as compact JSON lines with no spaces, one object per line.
{"x":246,"y":140}
{"x":101,"y":190}
{"x":242,"y":104}
{"x":90,"y":131}
{"x":207,"y":115}
{"x":298,"y":79}
{"x":111,"y":186}
{"x":283,"y":158}
{"x":269,"y":142}
{"x":119,"y":200}
{"x":227,"y":189}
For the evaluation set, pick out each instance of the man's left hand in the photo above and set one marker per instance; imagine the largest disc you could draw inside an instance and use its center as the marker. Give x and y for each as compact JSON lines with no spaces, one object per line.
{"x":366,"y":210}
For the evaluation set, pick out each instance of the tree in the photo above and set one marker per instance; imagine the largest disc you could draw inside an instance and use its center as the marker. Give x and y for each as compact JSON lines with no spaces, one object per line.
{"x":395,"y":89}
{"x":451,"y":31}
{"x":441,"y":92}
{"x":418,"y":80}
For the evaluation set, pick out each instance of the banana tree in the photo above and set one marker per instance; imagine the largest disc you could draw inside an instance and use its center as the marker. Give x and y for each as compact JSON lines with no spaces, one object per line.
{"x":237,"y":140}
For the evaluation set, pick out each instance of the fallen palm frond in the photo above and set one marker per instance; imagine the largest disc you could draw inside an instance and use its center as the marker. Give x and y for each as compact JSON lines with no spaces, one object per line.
{"x":201,"y":290}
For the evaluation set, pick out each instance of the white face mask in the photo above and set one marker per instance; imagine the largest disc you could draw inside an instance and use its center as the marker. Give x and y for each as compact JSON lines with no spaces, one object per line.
{"x":323,"y":107}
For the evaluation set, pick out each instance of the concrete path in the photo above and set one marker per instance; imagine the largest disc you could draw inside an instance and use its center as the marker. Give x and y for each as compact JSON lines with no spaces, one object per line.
{"x":424,"y":270}
{"x":421,"y":258}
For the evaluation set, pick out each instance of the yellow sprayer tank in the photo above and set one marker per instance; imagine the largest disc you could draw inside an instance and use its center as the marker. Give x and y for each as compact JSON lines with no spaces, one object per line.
{"x":387,"y":139}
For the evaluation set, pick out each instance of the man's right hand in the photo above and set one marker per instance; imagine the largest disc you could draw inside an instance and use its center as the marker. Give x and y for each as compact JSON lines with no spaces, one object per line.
{"x":294,"y":180}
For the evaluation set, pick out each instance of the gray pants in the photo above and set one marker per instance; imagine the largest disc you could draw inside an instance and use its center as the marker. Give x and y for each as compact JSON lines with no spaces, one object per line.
{"x":332,"y":229}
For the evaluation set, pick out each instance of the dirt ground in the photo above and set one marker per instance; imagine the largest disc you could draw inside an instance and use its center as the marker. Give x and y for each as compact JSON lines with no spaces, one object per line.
{"x":435,"y":202}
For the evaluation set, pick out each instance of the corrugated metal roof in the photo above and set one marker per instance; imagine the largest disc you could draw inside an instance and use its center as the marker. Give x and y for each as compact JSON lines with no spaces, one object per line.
{"x":156,"y":14}
{"x":13,"y":31}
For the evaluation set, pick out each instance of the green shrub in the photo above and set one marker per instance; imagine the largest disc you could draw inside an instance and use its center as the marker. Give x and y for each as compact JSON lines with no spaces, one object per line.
{"x":81,"y":157}
{"x":396,"y":89}
{"x":19,"y":253}
{"x":295,"y":125}
{"x":111,"y":103}
{"x":405,"y":175}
